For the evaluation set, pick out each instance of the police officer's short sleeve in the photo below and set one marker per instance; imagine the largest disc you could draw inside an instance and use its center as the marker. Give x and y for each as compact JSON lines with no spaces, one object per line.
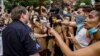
{"x":31,"y":44}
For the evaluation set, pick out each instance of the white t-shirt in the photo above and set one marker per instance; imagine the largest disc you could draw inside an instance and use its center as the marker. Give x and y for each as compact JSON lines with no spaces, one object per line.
{"x":82,"y":39}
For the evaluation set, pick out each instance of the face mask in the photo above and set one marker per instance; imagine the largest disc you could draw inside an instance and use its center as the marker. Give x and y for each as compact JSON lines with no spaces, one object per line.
{"x":93,"y":30}
{"x":79,"y":19}
{"x":64,"y":12}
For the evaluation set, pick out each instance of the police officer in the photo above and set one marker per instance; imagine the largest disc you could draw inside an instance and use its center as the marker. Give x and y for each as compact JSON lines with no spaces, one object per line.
{"x":18,"y":39}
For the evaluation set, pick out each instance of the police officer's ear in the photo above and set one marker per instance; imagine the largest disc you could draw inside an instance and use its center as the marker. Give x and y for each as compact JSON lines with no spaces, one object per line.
{"x":22,"y":16}
{"x":25,"y":15}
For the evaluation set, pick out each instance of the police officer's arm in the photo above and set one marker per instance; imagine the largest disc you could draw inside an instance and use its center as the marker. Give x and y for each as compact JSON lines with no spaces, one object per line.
{"x":92,"y":50}
{"x":30,"y":43}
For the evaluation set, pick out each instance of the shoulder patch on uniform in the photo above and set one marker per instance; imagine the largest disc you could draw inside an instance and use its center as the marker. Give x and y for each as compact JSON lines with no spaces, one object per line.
{"x":31,"y":34}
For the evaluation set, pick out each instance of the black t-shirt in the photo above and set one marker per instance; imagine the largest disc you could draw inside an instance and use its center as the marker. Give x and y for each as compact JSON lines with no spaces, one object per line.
{"x":18,"y":40}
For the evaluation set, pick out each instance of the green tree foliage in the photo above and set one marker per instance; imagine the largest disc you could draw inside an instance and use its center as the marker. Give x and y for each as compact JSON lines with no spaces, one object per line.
{"x":9,"y":4}
{"x":87,"y":2}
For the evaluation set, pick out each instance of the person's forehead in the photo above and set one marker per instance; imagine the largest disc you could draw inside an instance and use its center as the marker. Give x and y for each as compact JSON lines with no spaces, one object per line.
{"x":93,"y":13}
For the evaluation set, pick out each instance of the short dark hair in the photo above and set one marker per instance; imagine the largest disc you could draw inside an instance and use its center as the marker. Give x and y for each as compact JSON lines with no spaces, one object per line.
{"x":86,"y":8}
{"x":17,"y":11}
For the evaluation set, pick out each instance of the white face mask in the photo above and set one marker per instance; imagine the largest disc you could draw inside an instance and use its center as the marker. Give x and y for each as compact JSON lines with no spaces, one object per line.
{"x":65,"y":12}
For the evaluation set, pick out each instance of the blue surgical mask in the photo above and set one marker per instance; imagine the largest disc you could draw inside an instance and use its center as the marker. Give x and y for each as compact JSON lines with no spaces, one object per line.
{"x":93,"y":30}
{"x":79,"y":19}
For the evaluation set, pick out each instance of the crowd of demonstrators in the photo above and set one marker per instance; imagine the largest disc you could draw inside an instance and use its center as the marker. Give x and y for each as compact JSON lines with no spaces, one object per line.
{"x":26,"y":32}
{"x":91,"y":24}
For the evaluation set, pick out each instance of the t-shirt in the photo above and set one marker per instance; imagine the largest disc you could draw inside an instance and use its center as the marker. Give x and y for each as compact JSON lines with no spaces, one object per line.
{"x":82,"y":39}
{"x":18,"y":40}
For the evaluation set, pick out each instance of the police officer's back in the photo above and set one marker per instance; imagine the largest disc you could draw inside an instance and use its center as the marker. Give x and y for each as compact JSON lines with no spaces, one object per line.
{"x":18,"y":39}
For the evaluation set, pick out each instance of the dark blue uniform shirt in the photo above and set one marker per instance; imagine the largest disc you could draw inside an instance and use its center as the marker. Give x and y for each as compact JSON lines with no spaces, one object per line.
{"x":18,"y":40}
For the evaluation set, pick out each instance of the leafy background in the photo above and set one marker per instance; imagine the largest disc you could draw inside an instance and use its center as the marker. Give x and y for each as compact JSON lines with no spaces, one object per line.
{"x":9,"y":4}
